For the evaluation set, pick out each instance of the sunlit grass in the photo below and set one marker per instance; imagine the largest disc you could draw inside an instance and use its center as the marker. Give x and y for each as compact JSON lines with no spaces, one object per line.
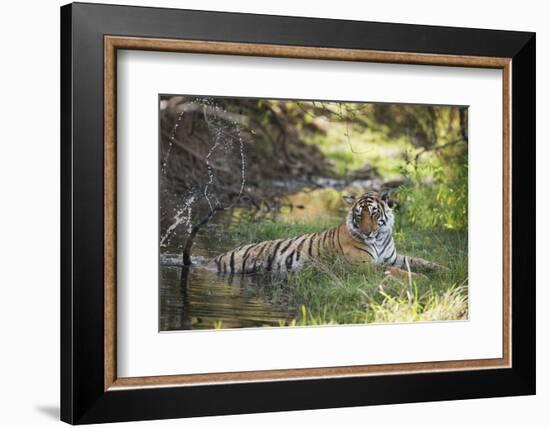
{"x":350,"y":150}
{"x":450,"y":305}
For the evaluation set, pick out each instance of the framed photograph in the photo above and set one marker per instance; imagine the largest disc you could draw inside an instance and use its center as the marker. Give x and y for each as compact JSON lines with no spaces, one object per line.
{"x":265,"y":213}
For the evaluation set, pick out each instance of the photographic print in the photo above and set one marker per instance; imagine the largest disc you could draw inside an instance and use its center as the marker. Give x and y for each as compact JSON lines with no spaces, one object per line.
{"x":283,"y":213}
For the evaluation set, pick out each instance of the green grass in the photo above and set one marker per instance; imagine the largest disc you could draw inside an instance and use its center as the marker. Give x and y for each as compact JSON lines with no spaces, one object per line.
{"x":335,"y":291}
{"x":268,"y":230}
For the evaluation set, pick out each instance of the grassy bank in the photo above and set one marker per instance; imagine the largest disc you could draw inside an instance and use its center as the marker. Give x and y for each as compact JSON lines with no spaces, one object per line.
{"x":334,"y":291}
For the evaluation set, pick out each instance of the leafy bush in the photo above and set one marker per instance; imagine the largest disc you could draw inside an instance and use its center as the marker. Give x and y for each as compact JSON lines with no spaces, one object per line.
{"x":434,"y":197}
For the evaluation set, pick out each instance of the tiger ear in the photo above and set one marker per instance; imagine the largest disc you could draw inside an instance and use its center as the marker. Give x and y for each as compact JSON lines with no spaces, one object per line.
{"x":386,"y":197}
{"x":349,"y":199}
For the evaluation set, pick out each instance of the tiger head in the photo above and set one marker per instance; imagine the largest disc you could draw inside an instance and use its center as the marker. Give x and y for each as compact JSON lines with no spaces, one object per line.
{"x":369,"y":215}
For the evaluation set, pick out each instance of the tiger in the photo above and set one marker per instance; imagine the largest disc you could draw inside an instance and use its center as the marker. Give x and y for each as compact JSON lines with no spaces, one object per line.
{"x":366,"y":235}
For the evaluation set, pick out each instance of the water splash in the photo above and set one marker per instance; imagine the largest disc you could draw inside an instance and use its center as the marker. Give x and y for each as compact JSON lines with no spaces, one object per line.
{"x":171,"y":141}
{"x":207,"y":158}
{"x":183,"y":215}
{"x":168,"y":259}
{"x":218,"y":121}
{"x":220,"y":141}
{"x":243,"y":164}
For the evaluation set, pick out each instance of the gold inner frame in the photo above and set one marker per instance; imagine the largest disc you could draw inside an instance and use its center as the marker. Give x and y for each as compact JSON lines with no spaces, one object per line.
{"x":113,"y":43}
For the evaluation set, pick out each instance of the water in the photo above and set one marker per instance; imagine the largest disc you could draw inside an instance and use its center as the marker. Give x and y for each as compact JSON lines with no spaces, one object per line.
{"x":196,"y":298}
{"x":199,"y":299}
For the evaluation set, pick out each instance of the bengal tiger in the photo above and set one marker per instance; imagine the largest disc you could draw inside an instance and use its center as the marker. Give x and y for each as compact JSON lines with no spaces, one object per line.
{"x":365,"y":236}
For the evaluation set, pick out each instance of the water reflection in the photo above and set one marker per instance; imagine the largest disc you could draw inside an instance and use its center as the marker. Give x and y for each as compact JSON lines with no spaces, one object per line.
{"x":194,"y":298}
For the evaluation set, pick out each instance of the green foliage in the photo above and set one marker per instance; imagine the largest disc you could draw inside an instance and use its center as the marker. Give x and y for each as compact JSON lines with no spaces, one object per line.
{"x":424,"y":126}
{"x":435,"y":196}
{"x":349,"y":149}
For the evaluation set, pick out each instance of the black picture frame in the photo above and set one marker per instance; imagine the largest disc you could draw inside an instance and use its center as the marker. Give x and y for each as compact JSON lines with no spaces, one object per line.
{"x":83,"y":398}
